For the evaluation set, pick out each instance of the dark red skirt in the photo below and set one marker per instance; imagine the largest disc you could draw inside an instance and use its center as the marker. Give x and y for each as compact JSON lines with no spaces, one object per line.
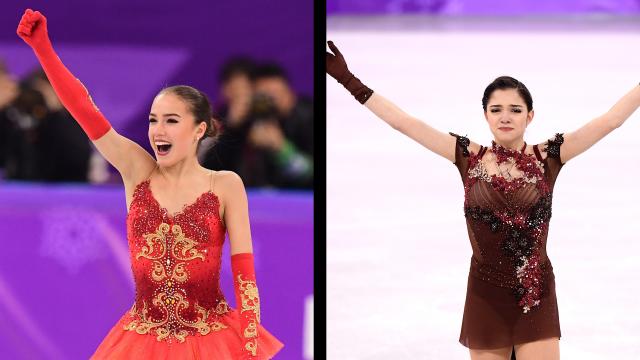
{"x":492,"y":318}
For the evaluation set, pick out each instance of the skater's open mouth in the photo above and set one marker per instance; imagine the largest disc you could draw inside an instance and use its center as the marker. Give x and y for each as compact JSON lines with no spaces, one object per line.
{"x":163,"y":147}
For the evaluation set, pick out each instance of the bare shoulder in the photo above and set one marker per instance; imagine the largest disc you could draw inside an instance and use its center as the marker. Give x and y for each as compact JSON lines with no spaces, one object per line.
{"x":228,"y":178}
{"x":229,"y":184}
{"x":144,"y":170}
{"x":131,"y":182}
{"x":132,"y":161}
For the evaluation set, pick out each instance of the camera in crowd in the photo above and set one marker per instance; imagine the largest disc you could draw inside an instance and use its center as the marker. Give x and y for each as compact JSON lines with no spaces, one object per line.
{"x":262,"y":108}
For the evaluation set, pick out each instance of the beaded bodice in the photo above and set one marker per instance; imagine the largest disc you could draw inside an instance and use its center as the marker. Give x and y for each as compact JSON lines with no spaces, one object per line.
{"x":175,"y":261}
{"x":507,"y":205}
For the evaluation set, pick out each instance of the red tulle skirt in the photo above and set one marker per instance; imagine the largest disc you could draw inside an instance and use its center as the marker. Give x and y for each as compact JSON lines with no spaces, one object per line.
{"x":223,"y":344}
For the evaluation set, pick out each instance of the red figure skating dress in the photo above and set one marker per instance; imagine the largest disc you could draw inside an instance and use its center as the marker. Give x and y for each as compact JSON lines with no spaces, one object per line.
{"x":511,"y":295}
{"x":179,"y":310}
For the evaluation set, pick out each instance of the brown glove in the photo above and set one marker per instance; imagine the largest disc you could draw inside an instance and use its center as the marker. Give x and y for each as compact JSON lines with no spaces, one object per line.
{"x":337,"y":68}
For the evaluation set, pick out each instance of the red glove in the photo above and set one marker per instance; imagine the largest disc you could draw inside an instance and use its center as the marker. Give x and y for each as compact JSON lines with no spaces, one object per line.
{"x":247,"y":301}
{"x":337,"y":68}
{"x":73,"y":95}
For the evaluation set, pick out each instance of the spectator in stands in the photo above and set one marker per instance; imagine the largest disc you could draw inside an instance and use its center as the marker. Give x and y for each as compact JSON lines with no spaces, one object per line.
{"x":233,"y":119}
{"x":267,"y":130}
{"x":284,"y":136}
{"x":42,"y":141}
{"x":8,"y":92}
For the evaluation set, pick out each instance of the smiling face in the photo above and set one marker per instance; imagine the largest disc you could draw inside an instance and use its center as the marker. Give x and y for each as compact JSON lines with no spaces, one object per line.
{"x":507,"y":117}
{"x":173,"y":132}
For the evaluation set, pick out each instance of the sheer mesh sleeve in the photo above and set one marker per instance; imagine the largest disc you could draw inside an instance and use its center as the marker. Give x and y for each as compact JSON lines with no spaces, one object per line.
{"x":553,"y":148}
{"x":462,"y":154}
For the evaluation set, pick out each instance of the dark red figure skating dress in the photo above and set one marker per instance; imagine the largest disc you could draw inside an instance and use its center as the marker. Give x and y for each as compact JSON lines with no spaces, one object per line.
{"x":179,"y":310}
{"x":511,"y":295}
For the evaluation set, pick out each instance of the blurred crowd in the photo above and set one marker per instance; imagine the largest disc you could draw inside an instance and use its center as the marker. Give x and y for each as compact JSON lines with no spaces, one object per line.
{"x":39,"y":140}
{"x":266,"y":128}
{"x":265,"y":131}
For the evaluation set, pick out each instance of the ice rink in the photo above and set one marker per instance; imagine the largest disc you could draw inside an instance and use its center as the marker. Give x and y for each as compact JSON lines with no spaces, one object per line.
{"x":397,"y":247}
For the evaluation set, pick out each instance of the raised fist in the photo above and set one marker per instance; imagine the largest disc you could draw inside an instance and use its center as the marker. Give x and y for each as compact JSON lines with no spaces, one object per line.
{"x":33,"y":28}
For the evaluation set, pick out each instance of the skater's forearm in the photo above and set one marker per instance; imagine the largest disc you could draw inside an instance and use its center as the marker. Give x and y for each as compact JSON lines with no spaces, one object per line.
{"x":586,"y":136}
{"x":73,"y":95}
{"x":247,"y":301}
{"x":429,"y":137}
{"x":623,"y":108}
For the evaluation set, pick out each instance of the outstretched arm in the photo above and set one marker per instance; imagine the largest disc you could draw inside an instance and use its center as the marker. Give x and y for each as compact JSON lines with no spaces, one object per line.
{"x":74,"y":96}
{"x":580,"y":140}
{"x":434,"y":140}
{"x":440,"y":143}
{"x":122,"y":153}
{"x":236,"y":217}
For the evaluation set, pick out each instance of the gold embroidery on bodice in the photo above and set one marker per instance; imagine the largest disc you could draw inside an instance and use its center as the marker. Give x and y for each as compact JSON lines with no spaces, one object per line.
{"x":170,"y":255}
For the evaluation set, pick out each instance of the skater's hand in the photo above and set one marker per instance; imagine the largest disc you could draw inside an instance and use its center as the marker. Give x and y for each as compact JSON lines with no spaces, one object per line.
{"x":336,"y":65}
{"x":337,"y":68}
{"x":33,"y":28}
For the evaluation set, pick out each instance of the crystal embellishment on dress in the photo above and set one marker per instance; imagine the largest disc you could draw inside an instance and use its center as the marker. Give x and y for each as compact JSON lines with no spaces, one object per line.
{"x":463,"y":142}
{"x":171,"y":304}
{"x":521,"y":229}
{"x":553,"y":146}
{"x":171,"y":299}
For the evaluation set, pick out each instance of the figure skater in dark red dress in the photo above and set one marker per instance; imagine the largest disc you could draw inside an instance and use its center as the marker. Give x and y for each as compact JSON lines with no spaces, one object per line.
{"x":511,"y":299}
{"x":178,"y":213}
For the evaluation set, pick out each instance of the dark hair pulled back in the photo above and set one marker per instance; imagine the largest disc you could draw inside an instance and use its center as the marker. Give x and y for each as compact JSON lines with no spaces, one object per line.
{"x":198,"y":104}
{"x":507,"y":82}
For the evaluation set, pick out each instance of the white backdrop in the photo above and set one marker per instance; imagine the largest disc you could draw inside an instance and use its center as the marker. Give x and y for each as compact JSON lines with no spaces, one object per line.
{"x":397,"y":247}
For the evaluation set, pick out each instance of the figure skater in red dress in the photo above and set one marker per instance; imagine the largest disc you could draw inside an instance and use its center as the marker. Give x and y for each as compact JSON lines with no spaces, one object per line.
{"x":508,"y":186}
{"x":178,"y":213}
